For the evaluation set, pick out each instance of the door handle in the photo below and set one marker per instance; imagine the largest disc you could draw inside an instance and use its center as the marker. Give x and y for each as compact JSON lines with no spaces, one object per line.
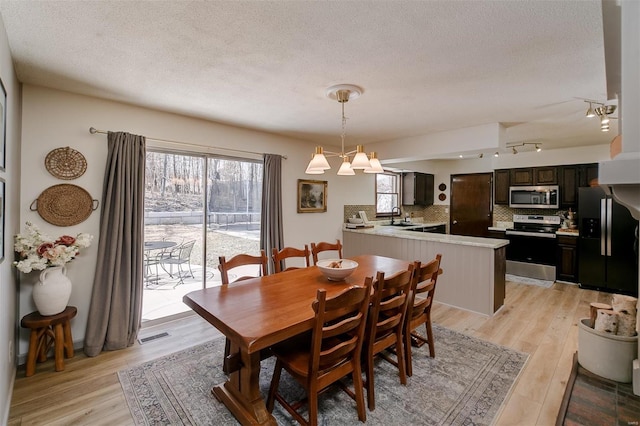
{"x":455,"y":222}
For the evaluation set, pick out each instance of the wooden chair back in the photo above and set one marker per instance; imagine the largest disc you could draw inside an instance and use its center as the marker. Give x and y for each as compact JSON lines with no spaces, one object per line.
{"x":325,"y":246}
{"x":288,"y":252}
{"x":242,"y":260}
{"x":332,"y":353}
{"x":385,"y":325}
{"x":419,"y":310}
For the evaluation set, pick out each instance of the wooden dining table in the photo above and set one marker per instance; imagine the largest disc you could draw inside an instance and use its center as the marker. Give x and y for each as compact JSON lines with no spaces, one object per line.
{"x":257,"y":313}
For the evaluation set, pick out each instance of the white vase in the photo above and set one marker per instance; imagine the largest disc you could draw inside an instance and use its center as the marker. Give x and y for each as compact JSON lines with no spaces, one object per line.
{"x":52,"y":291}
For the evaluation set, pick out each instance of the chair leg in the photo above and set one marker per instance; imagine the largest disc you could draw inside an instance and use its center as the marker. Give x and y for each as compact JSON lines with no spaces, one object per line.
{"x":359,"y":391}
{"x":432,"y":350}
{"x":401,"y":359}
{"x":312,"y":401}
{"x":275,"y":382}
{"x":407,"y":352}
{"x":371,"y":397}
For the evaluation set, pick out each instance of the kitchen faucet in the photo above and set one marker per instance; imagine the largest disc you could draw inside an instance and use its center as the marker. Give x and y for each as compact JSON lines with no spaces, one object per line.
{"x":392,"y":210}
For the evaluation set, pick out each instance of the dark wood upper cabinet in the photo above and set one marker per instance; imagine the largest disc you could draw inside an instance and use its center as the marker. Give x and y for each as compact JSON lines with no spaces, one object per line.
{"x":545,"y":175}
{"x":569,"y":184}
{"x":417,"y":189}
{"x":534,"y":176}
{"x":521,"y":176}
{"x":569,"y":178}
{"x":501,"y":186}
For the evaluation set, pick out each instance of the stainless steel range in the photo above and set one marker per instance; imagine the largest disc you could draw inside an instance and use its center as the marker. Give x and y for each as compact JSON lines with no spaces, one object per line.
{"x":532,"y":246}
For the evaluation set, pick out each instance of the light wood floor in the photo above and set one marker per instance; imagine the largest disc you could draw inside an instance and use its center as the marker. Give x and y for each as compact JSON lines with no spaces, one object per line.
{"x":535,"y":320}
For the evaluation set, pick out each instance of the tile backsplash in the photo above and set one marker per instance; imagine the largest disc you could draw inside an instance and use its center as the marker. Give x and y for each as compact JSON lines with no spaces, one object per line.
{"x":439,"y":212}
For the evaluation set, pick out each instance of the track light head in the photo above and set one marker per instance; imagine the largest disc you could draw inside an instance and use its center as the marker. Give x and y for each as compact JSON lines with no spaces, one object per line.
{"x":590,"y":112}
{"x":514,"y":150}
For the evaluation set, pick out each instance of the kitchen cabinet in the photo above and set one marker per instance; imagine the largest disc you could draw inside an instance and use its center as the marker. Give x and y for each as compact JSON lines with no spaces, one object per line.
{"x":573,"y":177}
{"x":567,"y":258}
{"x":534,"y":176}
{"x":501,"y":186}
{"x":417,"y":189}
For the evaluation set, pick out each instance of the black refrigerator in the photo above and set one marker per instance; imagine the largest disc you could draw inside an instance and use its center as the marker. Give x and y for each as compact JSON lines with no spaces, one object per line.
{"x":608,"y":243}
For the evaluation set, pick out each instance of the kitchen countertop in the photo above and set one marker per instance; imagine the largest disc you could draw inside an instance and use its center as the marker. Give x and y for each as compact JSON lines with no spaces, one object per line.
{"x":403,"y":232}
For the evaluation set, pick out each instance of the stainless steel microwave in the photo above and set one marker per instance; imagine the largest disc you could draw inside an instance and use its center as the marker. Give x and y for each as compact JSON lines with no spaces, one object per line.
{"x":534,"y":197}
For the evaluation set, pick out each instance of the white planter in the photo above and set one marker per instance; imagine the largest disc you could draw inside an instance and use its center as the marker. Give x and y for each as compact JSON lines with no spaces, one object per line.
{"x":53,"y":290}
{"x":606,"y":355}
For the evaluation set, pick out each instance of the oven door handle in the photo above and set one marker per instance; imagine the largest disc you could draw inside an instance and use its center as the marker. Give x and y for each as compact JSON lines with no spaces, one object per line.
{"x":531,"y":234}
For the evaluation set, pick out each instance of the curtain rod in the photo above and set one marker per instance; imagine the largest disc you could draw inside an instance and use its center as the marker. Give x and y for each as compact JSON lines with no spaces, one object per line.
{"x":93,"y":131}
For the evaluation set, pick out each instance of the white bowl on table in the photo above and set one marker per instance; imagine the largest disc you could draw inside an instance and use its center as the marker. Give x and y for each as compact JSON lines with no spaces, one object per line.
{"x":336,"y":269}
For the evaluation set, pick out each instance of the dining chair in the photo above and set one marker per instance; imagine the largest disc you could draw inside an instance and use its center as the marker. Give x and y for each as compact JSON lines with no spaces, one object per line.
{"x":419,"y":309}
{"x":289,"y":252}
{"x":385,"y":325}
{"x":330,"y":352}
{"x":324,"y":246}
{"x":242,"y":260}
{"x":178,"y":255}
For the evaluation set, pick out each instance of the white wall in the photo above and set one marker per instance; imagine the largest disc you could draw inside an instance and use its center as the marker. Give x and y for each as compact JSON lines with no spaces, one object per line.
{"x":53,"y":119}
{"x":11,"y":175}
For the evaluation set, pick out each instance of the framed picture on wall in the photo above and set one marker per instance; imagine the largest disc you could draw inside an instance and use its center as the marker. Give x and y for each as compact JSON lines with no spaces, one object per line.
{"x":3,"y":125}
{"x":1,"y":220}
{"x":312,"y":196}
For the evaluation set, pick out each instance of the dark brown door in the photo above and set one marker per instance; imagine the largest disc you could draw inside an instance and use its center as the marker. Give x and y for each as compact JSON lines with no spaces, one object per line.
{"x":471,"y":204}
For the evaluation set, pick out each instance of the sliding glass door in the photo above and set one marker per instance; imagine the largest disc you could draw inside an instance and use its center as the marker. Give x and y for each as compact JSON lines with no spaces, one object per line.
{"x":197,"y":208}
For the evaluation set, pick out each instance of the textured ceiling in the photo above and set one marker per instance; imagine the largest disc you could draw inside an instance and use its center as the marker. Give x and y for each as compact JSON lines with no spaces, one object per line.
{"x":425,"y":66}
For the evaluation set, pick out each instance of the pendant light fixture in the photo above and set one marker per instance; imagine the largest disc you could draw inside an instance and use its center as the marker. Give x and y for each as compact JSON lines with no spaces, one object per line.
{"x":318,"y":164}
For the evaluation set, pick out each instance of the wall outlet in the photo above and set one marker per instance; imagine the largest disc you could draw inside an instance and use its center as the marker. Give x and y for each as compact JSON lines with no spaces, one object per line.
{"x":446,"y":209}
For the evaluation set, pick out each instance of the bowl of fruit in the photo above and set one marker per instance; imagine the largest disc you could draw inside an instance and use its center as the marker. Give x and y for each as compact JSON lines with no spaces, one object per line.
{"x":337,"y":269}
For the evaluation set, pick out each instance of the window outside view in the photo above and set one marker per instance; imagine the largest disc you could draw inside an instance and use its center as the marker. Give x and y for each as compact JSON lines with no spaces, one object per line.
{"x":184,"y":196}
{"x":387,"y":192}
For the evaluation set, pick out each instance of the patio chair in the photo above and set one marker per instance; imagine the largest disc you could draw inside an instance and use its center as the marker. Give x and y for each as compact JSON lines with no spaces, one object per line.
{"x":179,"y":256}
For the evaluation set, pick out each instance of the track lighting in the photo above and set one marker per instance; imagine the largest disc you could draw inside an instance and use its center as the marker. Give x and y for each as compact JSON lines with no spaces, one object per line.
{"x":481,"y":155}
{"x":603,"y":111}
{"x":497,"y":154}
{"x":537,"y":146}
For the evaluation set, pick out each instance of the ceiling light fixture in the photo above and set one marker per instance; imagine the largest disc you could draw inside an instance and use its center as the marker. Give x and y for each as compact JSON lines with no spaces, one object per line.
{"x":318,"y":164}
{"x":537,"y":146}
{"x":497,"y":154}
{"x":590,"y":112}
{"x":603,"y":111}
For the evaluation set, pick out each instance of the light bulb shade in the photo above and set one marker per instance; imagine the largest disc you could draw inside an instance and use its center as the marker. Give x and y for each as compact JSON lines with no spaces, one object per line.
{"x":318,"y":161}
{"x":497,"y":154}
{"x":311,"y":171}
{"x":604,"y":127}
{"x":605,"y":119}
{"x":538,"y":149}
{"x":376,"y":167}
{"x":590,"y":111}
{"x":345,"y":168}
{"x":360,"y":161}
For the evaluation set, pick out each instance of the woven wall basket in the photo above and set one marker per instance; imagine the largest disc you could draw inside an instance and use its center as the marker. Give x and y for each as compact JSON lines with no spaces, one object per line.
{"x":64,"y":205}
{"x":65,"y":163}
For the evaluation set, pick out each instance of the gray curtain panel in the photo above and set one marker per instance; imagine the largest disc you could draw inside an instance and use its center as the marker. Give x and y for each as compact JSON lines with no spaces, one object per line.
{"x":271,"y":234}
{"x":116,"y":301}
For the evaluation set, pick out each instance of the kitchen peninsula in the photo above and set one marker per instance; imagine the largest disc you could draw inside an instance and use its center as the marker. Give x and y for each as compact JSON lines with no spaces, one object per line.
{"x":474,"y":267}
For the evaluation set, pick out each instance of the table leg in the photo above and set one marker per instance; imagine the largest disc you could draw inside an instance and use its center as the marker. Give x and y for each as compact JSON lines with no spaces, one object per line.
{"x":241,"y":393}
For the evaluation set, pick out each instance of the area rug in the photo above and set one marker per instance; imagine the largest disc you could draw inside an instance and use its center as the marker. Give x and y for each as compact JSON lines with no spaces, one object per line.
{"x":530,"y":281}
{"x":466,"y":383}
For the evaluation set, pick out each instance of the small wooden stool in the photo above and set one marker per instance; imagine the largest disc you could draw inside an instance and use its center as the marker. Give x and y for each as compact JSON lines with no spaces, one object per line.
{"x":46,"y":331}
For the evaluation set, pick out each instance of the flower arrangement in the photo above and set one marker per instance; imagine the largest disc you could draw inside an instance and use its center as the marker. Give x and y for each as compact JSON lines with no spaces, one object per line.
{"x":38,"y":251}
